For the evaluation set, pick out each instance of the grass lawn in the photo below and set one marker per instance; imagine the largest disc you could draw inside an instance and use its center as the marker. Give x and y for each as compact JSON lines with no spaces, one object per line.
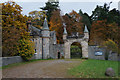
{"x":93,"y":69}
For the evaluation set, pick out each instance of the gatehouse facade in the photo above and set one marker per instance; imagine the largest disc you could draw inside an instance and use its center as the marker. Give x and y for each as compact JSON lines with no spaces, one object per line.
{"x":47,"y":47}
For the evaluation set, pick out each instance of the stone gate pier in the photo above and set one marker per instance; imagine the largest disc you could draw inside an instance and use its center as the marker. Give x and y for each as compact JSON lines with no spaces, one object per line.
{"x":81,"y":39}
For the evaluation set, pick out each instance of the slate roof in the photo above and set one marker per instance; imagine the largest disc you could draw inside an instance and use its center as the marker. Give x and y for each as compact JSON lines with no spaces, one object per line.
{"x":45,"y":24}
{"x":34,"y":31}
{"x":85,"y":29}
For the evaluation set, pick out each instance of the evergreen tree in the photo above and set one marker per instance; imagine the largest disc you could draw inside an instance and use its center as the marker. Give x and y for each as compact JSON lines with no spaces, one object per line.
{"x":86,"y":20}
{"x":50,"y":7}
{"x":100,"y":12}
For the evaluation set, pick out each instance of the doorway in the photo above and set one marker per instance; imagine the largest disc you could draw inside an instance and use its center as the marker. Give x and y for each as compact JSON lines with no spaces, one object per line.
{"x":58,"y":55}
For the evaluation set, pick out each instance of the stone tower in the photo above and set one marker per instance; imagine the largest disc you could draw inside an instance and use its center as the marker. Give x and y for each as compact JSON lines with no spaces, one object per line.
{"x":65,"y":32}
{"x":45,"y":40}
{"x":85,"y":43}
{"x":86,"y":33}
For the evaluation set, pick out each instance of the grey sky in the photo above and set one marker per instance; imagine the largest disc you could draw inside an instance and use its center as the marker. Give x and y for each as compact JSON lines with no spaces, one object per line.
{"x":66,"y":7}
{"x":119,"y":6}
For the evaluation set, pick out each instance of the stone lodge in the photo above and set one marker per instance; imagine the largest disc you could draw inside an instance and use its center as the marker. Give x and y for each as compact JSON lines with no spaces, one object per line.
{"x":47,"y":47}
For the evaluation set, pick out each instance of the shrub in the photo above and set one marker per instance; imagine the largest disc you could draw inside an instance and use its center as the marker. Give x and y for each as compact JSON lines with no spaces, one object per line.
{"x":26,"y":49}
{"x":110,"y":46}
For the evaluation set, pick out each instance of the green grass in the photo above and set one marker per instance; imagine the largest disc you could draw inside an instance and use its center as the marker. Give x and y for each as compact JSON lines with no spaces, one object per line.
{"x":22,"y":63}
{"x":93,"y":69}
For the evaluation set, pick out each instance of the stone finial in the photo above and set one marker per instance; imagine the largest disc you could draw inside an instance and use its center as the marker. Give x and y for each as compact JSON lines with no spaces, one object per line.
{"x":65,"y":31}
{"x":85,"y":29}
{"x":45,"y":24}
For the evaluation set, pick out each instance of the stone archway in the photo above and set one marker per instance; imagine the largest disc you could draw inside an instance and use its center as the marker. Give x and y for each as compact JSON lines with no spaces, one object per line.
{"x":84,"y":45}
{"x":76,"y":37}
{"x":76,"y":50}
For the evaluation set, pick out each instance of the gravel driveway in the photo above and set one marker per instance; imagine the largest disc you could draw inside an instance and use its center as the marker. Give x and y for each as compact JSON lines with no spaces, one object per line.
{"x":41,"y":69}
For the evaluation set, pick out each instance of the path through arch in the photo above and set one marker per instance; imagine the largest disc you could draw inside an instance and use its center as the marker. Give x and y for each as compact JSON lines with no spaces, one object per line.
{"x":84,"y":45}
{"x":76,"y":50}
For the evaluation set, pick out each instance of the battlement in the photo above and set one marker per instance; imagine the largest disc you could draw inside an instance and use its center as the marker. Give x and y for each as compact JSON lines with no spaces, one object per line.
{"x":75,"y":36}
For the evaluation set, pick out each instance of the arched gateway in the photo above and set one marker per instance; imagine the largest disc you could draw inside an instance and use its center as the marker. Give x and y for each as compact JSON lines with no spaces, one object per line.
{"x":82,"y":39}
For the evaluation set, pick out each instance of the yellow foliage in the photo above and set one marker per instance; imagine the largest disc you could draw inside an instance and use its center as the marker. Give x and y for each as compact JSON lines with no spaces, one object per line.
{"x":111,"y":45}
{"x":26,"y":48}
{"x":15,"y":38}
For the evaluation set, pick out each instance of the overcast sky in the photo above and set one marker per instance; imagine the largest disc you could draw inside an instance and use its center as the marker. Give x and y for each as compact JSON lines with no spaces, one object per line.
{"x":65,"y":5}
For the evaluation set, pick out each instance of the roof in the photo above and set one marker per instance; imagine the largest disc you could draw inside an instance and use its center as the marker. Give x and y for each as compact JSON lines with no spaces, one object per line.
{"x":45,"y":24}
{"x":34,"y":31}
{"x":85,"y":29}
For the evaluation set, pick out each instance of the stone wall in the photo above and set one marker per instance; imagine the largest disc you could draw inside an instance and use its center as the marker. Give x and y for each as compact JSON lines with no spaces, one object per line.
{"x":92,"y":50}
{"x":54,"y":49}
{"x":113,"y":56}
{"x":14,"y":59}
{"x":60,"y":48}
{"x":38,"y":47}
{"x":11,"y":60}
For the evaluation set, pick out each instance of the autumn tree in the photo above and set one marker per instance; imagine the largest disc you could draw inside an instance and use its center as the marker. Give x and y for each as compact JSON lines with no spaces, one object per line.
{"x":73,"y":22}
{"x":118,"y":39}
{"x":112,"y":31}
{"x":111,"y":46}
{"x":98,"y":32}
{"x":14,"y":29}
{"x":76,"y":19}
{"x":37,"y":18}
{"x":12,"y":22}
{"x":69,"y":24}
{"x":56,"y":24}
{"x":101,"y":31}
{"x":111,"y":28}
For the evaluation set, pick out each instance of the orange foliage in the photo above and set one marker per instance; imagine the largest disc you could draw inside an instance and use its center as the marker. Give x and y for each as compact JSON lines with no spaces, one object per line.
{"x":13,"y":28}
{"x":73,"y":22}
{"x":98,"y":32}
{"x":56,"y":25}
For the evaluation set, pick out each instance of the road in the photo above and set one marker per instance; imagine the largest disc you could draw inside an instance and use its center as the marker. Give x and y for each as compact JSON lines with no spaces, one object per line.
{"x":42,"y":69}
